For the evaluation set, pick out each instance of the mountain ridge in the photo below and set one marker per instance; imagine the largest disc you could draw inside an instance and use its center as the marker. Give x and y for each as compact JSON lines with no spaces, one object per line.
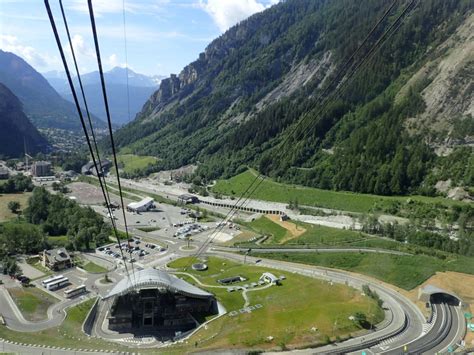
{"x":42,"y":104}
{"x":140,"y":88}
{"x":16,"y":131}
{"x":235,"y":105}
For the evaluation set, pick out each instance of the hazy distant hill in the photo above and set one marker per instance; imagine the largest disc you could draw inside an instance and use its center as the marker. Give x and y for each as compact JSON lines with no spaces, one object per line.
{"x":41,"y":103}
{"x":15,"y":128}
{"x":238,"y":104}
{"x":140,"y":89}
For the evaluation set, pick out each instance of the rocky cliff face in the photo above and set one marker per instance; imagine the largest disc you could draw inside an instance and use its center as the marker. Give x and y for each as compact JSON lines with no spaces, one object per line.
{"x":244,"y":95}
{"x":447,"y":88}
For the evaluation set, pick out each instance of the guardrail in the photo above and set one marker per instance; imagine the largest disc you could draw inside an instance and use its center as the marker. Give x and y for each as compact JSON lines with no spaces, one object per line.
{"x":88,"y":324}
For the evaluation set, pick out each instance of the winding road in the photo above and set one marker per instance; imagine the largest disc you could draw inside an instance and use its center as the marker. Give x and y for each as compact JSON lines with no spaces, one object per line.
{"x":404,"y":324}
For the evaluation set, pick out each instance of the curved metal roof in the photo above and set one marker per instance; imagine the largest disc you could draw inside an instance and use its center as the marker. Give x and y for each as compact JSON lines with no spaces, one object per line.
{"x":152,"y":278}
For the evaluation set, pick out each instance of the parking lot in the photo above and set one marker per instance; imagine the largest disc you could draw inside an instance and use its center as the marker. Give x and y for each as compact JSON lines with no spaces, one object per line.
{"x":134,"y":250}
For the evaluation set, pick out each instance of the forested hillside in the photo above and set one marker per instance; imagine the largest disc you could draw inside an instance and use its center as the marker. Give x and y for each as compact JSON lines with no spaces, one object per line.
{"x":256,"y":97}
{"x":16,"y":131}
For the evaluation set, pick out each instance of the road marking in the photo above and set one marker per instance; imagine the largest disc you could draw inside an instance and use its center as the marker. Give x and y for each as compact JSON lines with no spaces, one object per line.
{"x":170,"y":241}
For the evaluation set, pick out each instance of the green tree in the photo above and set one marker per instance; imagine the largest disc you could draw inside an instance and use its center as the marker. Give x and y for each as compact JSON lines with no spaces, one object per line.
{"x":14,"y":206}
{"x":361,"y":319}
{"x":37,"y":211}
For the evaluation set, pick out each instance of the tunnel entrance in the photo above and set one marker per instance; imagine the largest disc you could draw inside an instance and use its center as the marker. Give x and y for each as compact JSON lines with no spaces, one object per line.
{"x":434,"y":295}
{"x":451,"y":300}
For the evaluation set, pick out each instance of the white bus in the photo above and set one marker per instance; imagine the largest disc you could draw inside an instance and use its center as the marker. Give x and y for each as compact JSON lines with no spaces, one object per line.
{"x":75,"y":291}
{"x":51,"y":279}
{"x":57,"y":284}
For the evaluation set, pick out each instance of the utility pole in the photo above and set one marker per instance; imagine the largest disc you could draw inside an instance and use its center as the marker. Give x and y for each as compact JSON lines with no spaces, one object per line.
{"x":245,"y":255}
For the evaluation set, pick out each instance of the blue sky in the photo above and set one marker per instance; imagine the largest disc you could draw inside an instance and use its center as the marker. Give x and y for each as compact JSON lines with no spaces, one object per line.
{"x":162,"y":35}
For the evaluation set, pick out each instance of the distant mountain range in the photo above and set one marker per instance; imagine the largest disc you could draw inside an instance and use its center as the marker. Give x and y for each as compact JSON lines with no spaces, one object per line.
{"x":41,"y":103}
{"x":141,"y":87}
{"x":16,"y":131}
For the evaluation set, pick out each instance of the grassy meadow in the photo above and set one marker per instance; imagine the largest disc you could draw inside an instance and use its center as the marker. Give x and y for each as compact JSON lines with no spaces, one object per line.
{"x":290,"y":312}
{"x":270,"y":190}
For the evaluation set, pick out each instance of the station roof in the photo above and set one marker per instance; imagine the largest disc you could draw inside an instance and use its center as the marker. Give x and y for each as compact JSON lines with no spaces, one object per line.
{"x":142,"y":203}
{"x":152,"y":278}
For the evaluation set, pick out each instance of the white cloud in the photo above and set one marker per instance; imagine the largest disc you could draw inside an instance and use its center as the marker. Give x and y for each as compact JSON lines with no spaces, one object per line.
{"x":81,"y":48}
{"x":36,"y":59}
{"x":113,"y":61}
{"x":227,"y":13}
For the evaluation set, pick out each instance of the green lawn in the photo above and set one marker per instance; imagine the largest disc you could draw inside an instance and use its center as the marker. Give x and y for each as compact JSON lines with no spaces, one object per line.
{"x":327,"y":236}
{"x":68,"y":335}
{"x":265,"y":226}
{"x":132,"y":163}
{"x":93,"y":268}
{"x":406,"y":272}
{"x":345,"y":201}
{"x":288,"y":313}
{"x":148,"y":229}
{"x":32,"y":302}
{"x":5,"y":213}
{"x":315,"y":235}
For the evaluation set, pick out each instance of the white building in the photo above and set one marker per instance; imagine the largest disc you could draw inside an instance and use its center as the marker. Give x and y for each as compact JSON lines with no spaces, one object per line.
{"x":268,"y":277}
{"x":142,"y":206}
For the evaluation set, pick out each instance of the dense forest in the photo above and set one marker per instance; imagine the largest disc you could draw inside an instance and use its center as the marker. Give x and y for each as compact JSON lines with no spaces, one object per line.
{"x":57,"y":216}
{"x":50,"y":215}
{"x":265,"y":94}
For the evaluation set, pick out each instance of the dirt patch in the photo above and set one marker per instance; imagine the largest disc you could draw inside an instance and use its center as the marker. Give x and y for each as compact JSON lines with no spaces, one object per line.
{"x":294,"y":230}
{"x":87,"y":194}
{"x":458,"y":283}
{"x":222,"y":237}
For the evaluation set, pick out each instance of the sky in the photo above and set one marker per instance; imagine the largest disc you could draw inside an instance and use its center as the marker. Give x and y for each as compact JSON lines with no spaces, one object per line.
{"x":163,"y":36}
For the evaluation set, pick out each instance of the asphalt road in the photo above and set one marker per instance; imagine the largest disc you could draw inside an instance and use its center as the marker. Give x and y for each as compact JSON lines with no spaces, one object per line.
{"x":56,"y":314}
{"x":402,"y":314}
{"x":443,"y":333}
{"x":403,"y":318}
{"x":302,"y":249}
